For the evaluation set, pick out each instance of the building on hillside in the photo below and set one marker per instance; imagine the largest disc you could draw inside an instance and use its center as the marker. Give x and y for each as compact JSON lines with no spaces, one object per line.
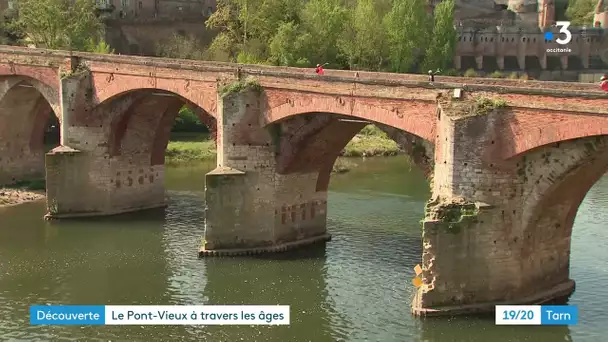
{"x":146,"y":9}
{"x":600,"y":17}
{"x":157,"y":9}
{"x":511,"y":37}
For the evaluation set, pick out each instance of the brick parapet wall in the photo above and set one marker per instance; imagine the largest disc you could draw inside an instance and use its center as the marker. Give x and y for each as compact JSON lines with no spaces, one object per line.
{"x":46,"y":57}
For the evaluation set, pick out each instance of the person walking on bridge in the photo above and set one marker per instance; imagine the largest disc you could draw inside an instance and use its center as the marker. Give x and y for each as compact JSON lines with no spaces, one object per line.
{"x":319,"y":69}
{"x":604,"y":83}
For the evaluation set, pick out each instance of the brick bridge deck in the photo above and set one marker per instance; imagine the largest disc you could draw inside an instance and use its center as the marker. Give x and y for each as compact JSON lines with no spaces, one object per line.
{"x":507,"y":179}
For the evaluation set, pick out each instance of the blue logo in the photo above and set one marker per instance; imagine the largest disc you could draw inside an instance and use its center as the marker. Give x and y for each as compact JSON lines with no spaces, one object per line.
{"x":548,"y":35}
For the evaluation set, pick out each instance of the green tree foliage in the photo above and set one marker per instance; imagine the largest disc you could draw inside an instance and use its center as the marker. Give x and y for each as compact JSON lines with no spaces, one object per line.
{"x":11,"y":32}
{"x":580,"y":12}
{"x":363,"y":41}
{"x":99,"y":47}
{"x":408,"y":27}
{"x":323,"y":22}
{"x":187,"y":121}
{"x":347,"y":34}
{"x":440,"y":52}
{"x":61,"y":24}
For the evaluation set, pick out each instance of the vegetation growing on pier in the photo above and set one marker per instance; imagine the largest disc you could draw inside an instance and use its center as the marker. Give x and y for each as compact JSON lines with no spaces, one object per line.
{"x":452,"y":216}
{"x":240,"y":86}
{"x":484,"y":105}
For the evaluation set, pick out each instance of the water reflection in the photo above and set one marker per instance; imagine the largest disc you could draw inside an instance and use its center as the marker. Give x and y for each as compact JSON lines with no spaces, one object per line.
{"x":356,"y":288}
{"x":296,"y":279}
{"x":482,"y":329}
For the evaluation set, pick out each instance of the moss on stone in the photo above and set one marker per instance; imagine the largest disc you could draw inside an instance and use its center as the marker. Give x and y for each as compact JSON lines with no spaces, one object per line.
{"x":484,"y":105}
{"x":452,"y":217}
{"x":79,"y":70}
{"x":240,"y":86}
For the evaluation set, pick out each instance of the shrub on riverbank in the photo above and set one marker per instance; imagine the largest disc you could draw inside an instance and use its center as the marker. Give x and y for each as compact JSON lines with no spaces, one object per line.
{"x":370,"y":142}
{"x":342,"y":165}
{"x":189,"y":147}
{"x":192,"y":147}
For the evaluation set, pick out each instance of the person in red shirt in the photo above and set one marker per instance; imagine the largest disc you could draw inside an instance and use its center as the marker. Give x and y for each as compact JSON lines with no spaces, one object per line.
{"x":319,"y":69}
{"x":604,"y":83}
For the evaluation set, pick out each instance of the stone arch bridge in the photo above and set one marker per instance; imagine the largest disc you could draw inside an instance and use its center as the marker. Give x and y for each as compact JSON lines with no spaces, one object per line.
{"x":510,"y":161}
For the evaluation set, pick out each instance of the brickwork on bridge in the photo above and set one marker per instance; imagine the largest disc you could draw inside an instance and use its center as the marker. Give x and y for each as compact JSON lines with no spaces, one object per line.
{"x":498,"y":230}
{"x":499,"y":175}
{"x":24,"y":115}
{"x":250,"y":207}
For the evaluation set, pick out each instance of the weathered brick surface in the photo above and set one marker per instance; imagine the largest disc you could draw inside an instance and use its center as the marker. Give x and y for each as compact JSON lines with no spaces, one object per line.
{"x":24,"y":114}
{"x":518,"y":166}
{"x":416,"y":117}
{"x":518,"y":248}
{"x":265,"y":207}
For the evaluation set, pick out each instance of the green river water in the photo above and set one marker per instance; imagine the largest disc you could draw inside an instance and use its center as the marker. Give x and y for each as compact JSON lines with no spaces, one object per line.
{"x":357,"y":288}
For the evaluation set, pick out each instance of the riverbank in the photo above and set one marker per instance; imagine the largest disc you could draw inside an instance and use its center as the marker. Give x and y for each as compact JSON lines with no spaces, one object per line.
{"x":186,"y":148}
{"x":22,"y":192}
{"x":193,"y":147}
{"x":10,"y":196}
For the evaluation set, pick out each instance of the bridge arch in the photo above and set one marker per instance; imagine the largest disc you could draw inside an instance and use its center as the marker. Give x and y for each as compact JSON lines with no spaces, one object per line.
{"x":139,"y":122}
{"x":312,"y":142}
{"x":526,"y":130}
{"x":557,"y":178}
{"x":29,"y":112}
{"x":414,"y":116}
{"x":200,"y":94}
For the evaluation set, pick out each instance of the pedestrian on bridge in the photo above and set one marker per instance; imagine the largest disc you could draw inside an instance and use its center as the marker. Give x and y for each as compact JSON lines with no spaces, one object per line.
{"x":319,"y":69}
{"x":604,"y":83}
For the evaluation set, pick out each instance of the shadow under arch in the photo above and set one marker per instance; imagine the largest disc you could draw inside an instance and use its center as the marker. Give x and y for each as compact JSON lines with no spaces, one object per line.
{"x":141,"y":120}
{"x":551,"y":200}
{"x":28,"y":112}
{"x":312,"y":142}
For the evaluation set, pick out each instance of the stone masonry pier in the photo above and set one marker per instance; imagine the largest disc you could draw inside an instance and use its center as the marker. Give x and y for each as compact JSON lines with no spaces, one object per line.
{"x":509,"y":161}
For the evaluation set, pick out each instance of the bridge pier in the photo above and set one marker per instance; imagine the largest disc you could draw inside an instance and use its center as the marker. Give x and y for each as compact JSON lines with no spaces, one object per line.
{"x":251,"y":208}
{"x":498,"y":230}
{"x":84,"y":177}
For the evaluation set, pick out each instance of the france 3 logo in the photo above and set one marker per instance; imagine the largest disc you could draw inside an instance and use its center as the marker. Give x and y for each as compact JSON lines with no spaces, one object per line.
{"x":563,"y":30}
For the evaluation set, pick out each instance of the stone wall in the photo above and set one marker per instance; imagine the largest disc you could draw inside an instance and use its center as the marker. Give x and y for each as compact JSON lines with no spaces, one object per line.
{"x":251,"y":208}
{"x":499,"y":230}
{"x":118,"y":152}
{"x":143,"y":38}
{"x":24,"y":113}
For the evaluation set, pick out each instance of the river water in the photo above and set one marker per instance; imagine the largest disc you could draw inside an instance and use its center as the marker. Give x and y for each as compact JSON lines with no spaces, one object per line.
{"x":357,"y":288}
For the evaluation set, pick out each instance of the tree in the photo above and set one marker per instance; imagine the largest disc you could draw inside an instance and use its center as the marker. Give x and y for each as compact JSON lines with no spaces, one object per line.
{"x":60,"y":24}
{"x":407,"y":26}
{"x":580,"y":12}
{"x":440,"y":52}
{"x":286,"y":46}
{"x":322,"y":22}
{"x":364,"y":40}
{"x":11,"y":32}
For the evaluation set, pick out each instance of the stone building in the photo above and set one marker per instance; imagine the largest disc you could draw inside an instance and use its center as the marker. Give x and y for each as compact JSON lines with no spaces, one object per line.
{"x":512,"y":38}
{"x":157,"y":9}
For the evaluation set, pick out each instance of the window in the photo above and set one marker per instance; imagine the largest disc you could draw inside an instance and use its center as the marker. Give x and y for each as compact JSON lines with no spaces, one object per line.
{"x":141,"y":5}
{"x":209,"y":11}
{"x":124,"y":3}
{"x":10,"y":4}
